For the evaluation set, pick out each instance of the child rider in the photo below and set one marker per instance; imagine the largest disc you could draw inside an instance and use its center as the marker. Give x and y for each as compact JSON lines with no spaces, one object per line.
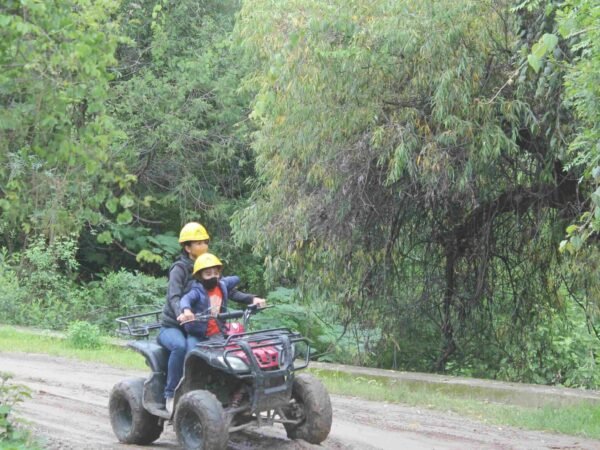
{"x":209,"y":294}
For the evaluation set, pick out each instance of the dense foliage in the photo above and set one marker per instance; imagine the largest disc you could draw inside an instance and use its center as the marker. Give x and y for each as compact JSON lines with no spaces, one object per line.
{"x":412,"y":171}
{"x":55,"y":133}
{"x":419,"y":178}
{"x":176,"y":99}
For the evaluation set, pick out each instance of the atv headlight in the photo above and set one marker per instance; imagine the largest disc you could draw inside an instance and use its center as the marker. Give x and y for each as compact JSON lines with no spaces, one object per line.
{"x":235,"y":363}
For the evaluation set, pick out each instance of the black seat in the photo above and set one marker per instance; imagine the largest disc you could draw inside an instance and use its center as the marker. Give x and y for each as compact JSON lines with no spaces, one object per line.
{"x":156,"y":355}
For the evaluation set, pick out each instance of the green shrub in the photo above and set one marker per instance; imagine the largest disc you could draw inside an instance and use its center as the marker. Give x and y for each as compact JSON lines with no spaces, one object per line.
{"x":122,"y":293}
{"x":13,"y":297}
{"x":11,"y":435}
{"x":37,"y":285}
{"x":38,"y":288}
{"x":84,"y":335}
{"x":328,"y":341}
{"x":559,"y":350}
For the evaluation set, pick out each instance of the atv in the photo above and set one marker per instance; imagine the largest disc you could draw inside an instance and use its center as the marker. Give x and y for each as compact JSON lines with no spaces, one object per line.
{"x":237,"y":381}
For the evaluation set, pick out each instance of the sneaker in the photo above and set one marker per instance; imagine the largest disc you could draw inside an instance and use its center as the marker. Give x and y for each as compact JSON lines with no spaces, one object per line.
{"x":169,"y":405}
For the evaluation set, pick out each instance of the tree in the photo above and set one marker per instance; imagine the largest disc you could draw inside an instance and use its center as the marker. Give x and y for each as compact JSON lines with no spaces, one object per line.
{"x":411,"y":167}
{"x":177,"y":100}
{"x":578,"y":23}
{"x":55,"y":134}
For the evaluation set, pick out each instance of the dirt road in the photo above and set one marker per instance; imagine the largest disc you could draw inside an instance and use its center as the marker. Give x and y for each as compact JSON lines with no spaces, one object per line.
{"x":68,"y":410}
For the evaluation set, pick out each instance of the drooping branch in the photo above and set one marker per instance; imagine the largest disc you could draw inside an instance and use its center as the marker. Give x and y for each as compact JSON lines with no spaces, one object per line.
{"x":559,"y":195}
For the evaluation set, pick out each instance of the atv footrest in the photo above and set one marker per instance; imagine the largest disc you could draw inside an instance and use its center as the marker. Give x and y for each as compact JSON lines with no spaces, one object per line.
{"x":157,"y":409}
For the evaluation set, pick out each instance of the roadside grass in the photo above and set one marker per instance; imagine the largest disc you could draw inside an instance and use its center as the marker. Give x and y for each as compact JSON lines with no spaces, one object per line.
{"x":582,"y":419}
{"x":13,"y":340}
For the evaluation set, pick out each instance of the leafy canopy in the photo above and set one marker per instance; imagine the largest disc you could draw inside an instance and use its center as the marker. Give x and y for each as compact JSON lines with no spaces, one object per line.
{"x":55,"y":133}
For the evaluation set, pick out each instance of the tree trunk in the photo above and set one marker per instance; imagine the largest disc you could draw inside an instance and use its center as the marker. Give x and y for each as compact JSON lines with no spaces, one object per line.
{"x":448,"y":344}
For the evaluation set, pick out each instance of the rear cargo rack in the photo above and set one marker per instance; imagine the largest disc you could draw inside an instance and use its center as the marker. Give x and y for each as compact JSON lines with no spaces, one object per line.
{"x":139,"y":325}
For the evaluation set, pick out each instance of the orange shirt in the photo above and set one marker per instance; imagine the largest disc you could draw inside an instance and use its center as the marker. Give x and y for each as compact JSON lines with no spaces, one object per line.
{"x":216,"y":299}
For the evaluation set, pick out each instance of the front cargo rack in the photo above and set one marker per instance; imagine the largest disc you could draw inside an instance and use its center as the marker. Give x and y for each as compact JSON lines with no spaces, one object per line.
{"x":253,"y":340}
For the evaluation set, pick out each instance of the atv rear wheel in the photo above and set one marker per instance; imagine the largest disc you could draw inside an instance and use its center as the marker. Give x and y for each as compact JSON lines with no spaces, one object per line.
{"x":131,"y":423}
{"x":311,"y":405}
{"x":200,"y":422}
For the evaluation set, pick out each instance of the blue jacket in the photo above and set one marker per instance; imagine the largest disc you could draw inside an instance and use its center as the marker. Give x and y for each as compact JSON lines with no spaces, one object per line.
{"x":198,"y":301}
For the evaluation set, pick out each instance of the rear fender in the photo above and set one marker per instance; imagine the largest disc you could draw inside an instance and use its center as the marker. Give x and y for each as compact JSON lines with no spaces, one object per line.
{"x":157,"y":358}
{"x":156,"y":355}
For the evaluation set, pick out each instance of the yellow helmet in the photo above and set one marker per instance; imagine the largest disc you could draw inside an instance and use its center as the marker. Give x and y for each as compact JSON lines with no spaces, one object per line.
{"x":205,"y":261}
{"x":193,"y":231}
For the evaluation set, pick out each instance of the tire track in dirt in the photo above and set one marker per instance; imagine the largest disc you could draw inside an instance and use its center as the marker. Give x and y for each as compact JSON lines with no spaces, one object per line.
{"x":68,"y":410}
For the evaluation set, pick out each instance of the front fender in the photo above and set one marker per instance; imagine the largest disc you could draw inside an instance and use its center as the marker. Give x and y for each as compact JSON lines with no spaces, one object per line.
{"x":204,"y":371}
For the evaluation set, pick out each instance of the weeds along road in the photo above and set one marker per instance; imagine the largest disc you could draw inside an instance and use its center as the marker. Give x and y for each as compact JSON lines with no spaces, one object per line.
{"x":68,"y":410}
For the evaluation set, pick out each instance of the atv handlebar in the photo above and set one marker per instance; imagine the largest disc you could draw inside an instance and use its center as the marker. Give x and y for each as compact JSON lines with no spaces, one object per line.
{"x":251,"y":309}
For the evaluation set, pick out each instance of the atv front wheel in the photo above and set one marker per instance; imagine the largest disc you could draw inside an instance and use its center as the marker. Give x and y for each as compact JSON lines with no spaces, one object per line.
{"x":310,"y":405}
{"x":131,"y":423}
{"x":200,"y":422}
